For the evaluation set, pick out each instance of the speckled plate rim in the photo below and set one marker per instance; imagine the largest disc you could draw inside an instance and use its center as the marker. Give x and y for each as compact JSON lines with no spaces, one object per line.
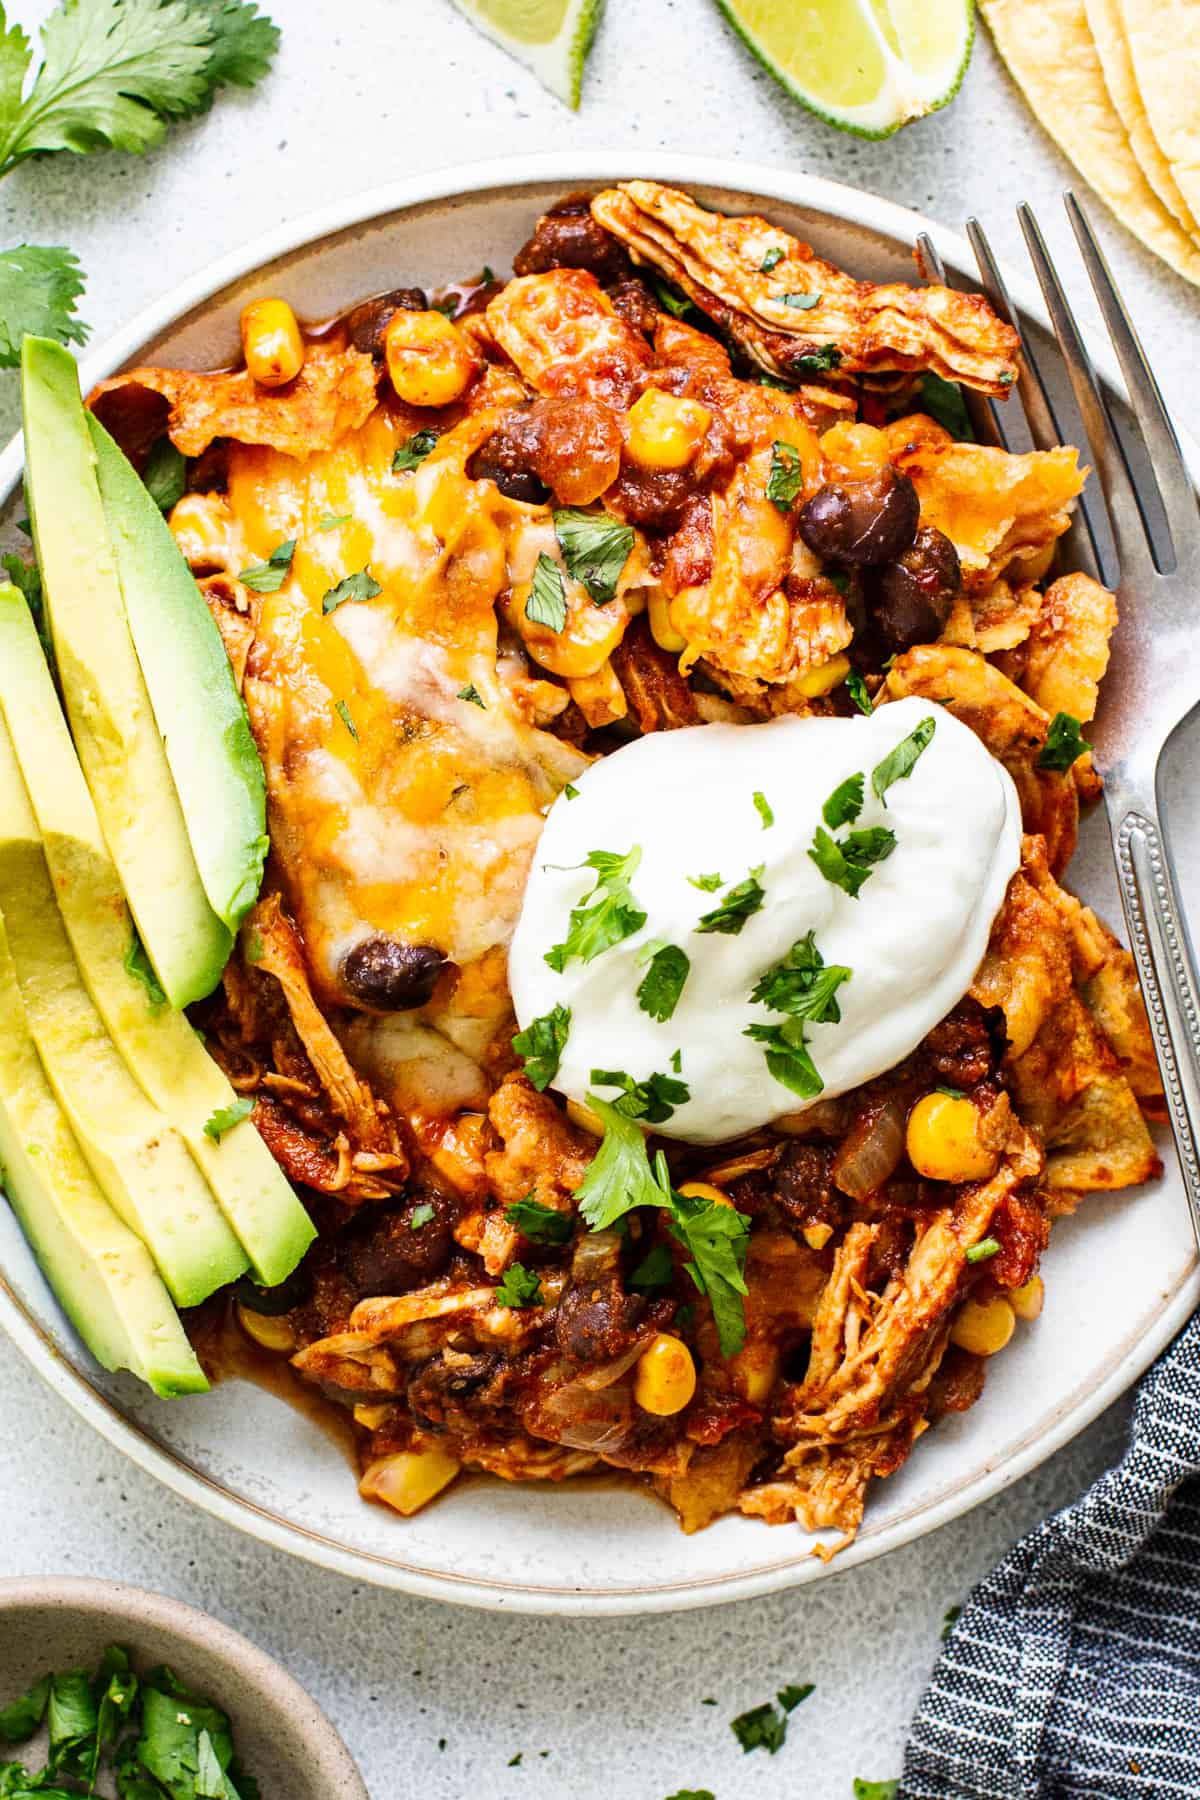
{"x":263,"y":1678}
{"x":1125,"y":1360}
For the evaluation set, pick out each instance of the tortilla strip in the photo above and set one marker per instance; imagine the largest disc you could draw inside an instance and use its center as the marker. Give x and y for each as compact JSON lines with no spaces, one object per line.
{"x":1164,"y":43}
{"x":1108,"y":35}
{"x":1050,"y":53}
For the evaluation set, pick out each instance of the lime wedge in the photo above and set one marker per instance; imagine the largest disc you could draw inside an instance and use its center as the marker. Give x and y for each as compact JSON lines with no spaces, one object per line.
{"x":551,"y":37}
{"x":867,"y":66}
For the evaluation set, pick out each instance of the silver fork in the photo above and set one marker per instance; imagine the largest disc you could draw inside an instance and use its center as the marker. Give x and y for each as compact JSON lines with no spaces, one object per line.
{"x":1153,"y":680}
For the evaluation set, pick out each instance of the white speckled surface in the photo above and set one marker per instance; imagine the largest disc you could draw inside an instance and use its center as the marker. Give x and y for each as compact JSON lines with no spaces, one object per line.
{"x":364,"y":91}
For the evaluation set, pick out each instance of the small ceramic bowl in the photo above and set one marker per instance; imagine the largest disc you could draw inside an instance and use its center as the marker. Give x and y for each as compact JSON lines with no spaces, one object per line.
{"x":282,"y":1736}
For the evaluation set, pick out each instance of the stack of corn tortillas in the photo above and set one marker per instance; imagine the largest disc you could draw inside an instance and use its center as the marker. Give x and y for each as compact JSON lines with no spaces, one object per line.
{"x":1117,"y":84}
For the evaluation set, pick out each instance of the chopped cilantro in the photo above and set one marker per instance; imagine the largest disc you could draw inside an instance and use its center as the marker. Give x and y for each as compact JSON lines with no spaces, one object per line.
{"x":546,"y":602}
{"x":693,"y":1793}
{"x":677,"y":1060}
{"x":138,"y":964}
{"x":420,"y":1215}
{"x":343,"y":713}
{"x":654,"y":1099}
{"x":413,"y":452}
{"x":540,"y":1224}
{"x":519,"y":1288}
{"x":856,"y":687}
{"x":572,"y":793}
{"x":605,"y":916}
{"x":818,"y":362}
{"x":845,"y":803}
{"x":788,"y":1056}
{"x":762,"y":1728}
{"x":678,"y":305}
{"x":226,"y":1117}
{"x":269,"y":577}
{"x":737,"y":905}
{"x":514,"y":1762}
{"x":360,"y":586}
{"x":771,"y":260}
{"x":790,"y":1697}
{"x":471,"y":694}
{"x":331,"y":521}
{"x":802,"y":302}
{"x":787,"y":475}
{"x":763,"y":809}
{"x":660,"y":987}
{"x":1064,"y":743}
{"x":951,"y":1093}
{"x":848,"y":862}
{"x":875,"y":1790}
{"x":949,"y":1620}
{"x":655,"y":1270}
{"x":21,"y":1719}
{"x":943,"y":401}
{"x":618,"y":1176}
{"x":165,"y":474}
{"x":802,"y":985}
{"x":708,"y":884}
{"x":595,"y":549}
{"x":839,"y":579}
{"x":984,"y":1250}
{"x":899,"y":763}
{"x":541,"y":1045}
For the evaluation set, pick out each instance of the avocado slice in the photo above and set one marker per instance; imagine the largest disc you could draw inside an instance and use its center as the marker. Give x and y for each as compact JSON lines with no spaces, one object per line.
{"x":102,"y":1274}
{"x":139,"y":1161}
{"x":199,"y":712}
{"x":159,"y":1047}
{"x":111,"y":716}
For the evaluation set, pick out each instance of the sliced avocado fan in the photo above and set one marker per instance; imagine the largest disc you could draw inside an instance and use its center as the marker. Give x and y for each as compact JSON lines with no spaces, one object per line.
{"x":101,"y":1273}
{"x":161,"y":1050}
{"x":111,"y":716}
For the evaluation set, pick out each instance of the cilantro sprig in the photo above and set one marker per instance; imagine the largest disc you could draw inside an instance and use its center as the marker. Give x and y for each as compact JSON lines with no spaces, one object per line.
{"x":113,"y":74}
{"x":804,"y":988}
{"x":595,"y":549}
{"x":654,"y":1099}
{"x":540,"y":1224}
{"x":541,"y":1044}
{"x":268,"y":577}
{"x":546,"y":602}
{"x":1064,"y":745}
{"x":899,"y":763}
{"x":786,"y":476}
{"x":605,"y":916}
{"x":662,"y":985}
{"x":740,"y":903}
{"x":520,"y":1287}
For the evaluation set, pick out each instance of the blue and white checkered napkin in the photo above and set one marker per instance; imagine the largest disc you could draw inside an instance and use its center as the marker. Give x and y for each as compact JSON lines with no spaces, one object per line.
{"x":1074,"y":1670}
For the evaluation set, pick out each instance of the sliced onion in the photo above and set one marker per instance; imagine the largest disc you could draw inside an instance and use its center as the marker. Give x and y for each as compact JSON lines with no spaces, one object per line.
{"x":596,"y":1253}
{"x":608,"y":1372}
{"x":586,"y":1421}
{"x":870,"y":1152}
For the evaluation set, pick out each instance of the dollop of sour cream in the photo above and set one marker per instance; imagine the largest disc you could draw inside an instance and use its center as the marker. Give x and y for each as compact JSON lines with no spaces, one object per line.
{"x":912,"y":939}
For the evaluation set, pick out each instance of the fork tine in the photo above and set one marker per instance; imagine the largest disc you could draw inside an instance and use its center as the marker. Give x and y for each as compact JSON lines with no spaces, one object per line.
{"x":1124,"y":513}
{"x":983,"y":413}
{"x":1044,"y":427}
{"x":1174,"y":484}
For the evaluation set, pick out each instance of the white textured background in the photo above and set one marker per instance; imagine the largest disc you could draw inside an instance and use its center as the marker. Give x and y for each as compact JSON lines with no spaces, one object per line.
{"x":364,"y":91}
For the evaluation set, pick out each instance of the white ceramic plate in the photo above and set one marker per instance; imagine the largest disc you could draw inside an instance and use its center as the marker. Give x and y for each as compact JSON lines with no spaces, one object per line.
{"x":1120,"y":1277}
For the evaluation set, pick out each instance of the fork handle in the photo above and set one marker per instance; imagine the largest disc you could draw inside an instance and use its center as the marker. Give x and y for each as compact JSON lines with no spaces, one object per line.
{"x":1163,"y":954}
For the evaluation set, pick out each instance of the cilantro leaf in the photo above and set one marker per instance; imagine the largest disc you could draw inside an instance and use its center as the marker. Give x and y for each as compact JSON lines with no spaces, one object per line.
{"x":762,"y":1728}
{"x":817,"y":362}
{"x":413,"y":451}
{"x":655,"y":1270}
{"x":708,"y":884}
{"x":856,"y":687}
{"x":226,"y":1117}
{"x":138,"y":964}
{"x":421,"y":1215}
{"x":943,"y":401}
{"x":243,"y":44}
{"x":678,"y":305}
{"x":540,"y":1224}
{"x":847,"y":862}
{"x":70,"y":1720}
{"x":763,"y":809}
{"x":984,"y":1250}
{"x":1064,"y":743}
{"x":950,"y":1619}
{"x":571,"y":791}
{"x":472,"y":695}
{"x":165,"y":474}
{"x":618,"y":1176}
{"x":173,"y":1723}
{"x":546,"y":602}
{"x":39,"y":285}
{"x":360,"y":586}
{"x":605,"y":916}
{"x":802,"y":985}
{"x":788,"y":1057}
{"x":845,"y":803}
{"x":875,"y":1790}
{"x":344,"y":714}
{"x":773,"y":257}
{"x":737,"y":905}
{"x":654,"y":1099}
{"x":331,"y":521}
{"x":661,"y":986}
{"x":790,"y":1697}
{"x":899,"y":763}
{"x":717,"y":1238}
{"x":541,"y":1045}
{"x":21,"y":1719}
{"x":787,"y":475}
{"x":873,"y":844}
{"x":595,"y":549}
{"x":269,"y":577}
{"x":114,"y":1689}
{"x":519,"y":1288}
{"x":802,"y":302}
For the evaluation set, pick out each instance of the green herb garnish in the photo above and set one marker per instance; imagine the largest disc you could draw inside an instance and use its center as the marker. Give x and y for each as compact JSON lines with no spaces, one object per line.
{"x":572,"y":793}
{"x":541,"y":1045}
{"x":786,"y":477}
{"x":472,"y":695}
{"x":331,"y":521}
{"x":845,"y":803}
{"x":137,"y":963}
{"x":540,"y":1224}
{"x":771,"y":260}
{"x":856,"y":687}
{"x":654,"y":1099}
{"x":343,"y":713}
{"x":678,"y":305}
{"x":791,"y":1696}
{"x":875,"y":1790}
{"x":737,"y":905}
{"x":818,"y":362}
{"x":762,"y":1728}
{"x":802,"y":984}
{"x":360,"y":586}
{"x":607,"y":915}
{"x":546,"y":603}
{"x":984,"y":1250}
{"x":848,"y":862}
{"x":421,"y":1215}
{"x":226,"y":1117}
{"x":763,"y":809}
{"x":1064,"y":743}
{"x":943,"y":401}
{"x":899,"y":763}
{"x":657,"y":1270}
{"x":595,"y":549}
{"x":519,"y":1288}
{"x":788,"y":1057}
{"x":165,"y":474}
{"x":660,"y":987}
{"x":708,"y":884}
{"x":618,"y":1177}
{"x":269,"y":577}
{"x":802,"y":302}
{"x":412,"y":453}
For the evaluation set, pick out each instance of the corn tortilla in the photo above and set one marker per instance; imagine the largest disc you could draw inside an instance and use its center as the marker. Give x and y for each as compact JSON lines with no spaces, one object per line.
{"x":1164,"y":43}
{"x":1049,"y":50}
{"x":1108,"y":35}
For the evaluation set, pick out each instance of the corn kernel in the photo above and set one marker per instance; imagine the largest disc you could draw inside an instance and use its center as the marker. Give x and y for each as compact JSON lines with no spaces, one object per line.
{"x":1026,"y":1301}
{"x":943,"y":1140}
{"x":428,"y":358}
{"x":664,"y":431}
{"x":585,"y":1118}
{"x":408,"y":1479}
{"x":817,"y":1236}
{"x":661,"y":628}
{"x":983,"y":1326}
{"x":372,"y":1417}
{"x":271,"y":342}
{"x":754,"y":1371}
{"x":599,"y":696}
{"x":704,"y":1190}
{"x":666,"y":1376}
{"x":824,"y":679}
{"x":272,"y":1333}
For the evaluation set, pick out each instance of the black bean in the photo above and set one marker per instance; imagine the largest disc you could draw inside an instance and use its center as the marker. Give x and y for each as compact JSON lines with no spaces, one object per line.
{"x":391,"y":1252}
{"x":862,"y":522}
{"x":595,"y":1320}
{"x":914,"y":594}
{"x":385,"y":975}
